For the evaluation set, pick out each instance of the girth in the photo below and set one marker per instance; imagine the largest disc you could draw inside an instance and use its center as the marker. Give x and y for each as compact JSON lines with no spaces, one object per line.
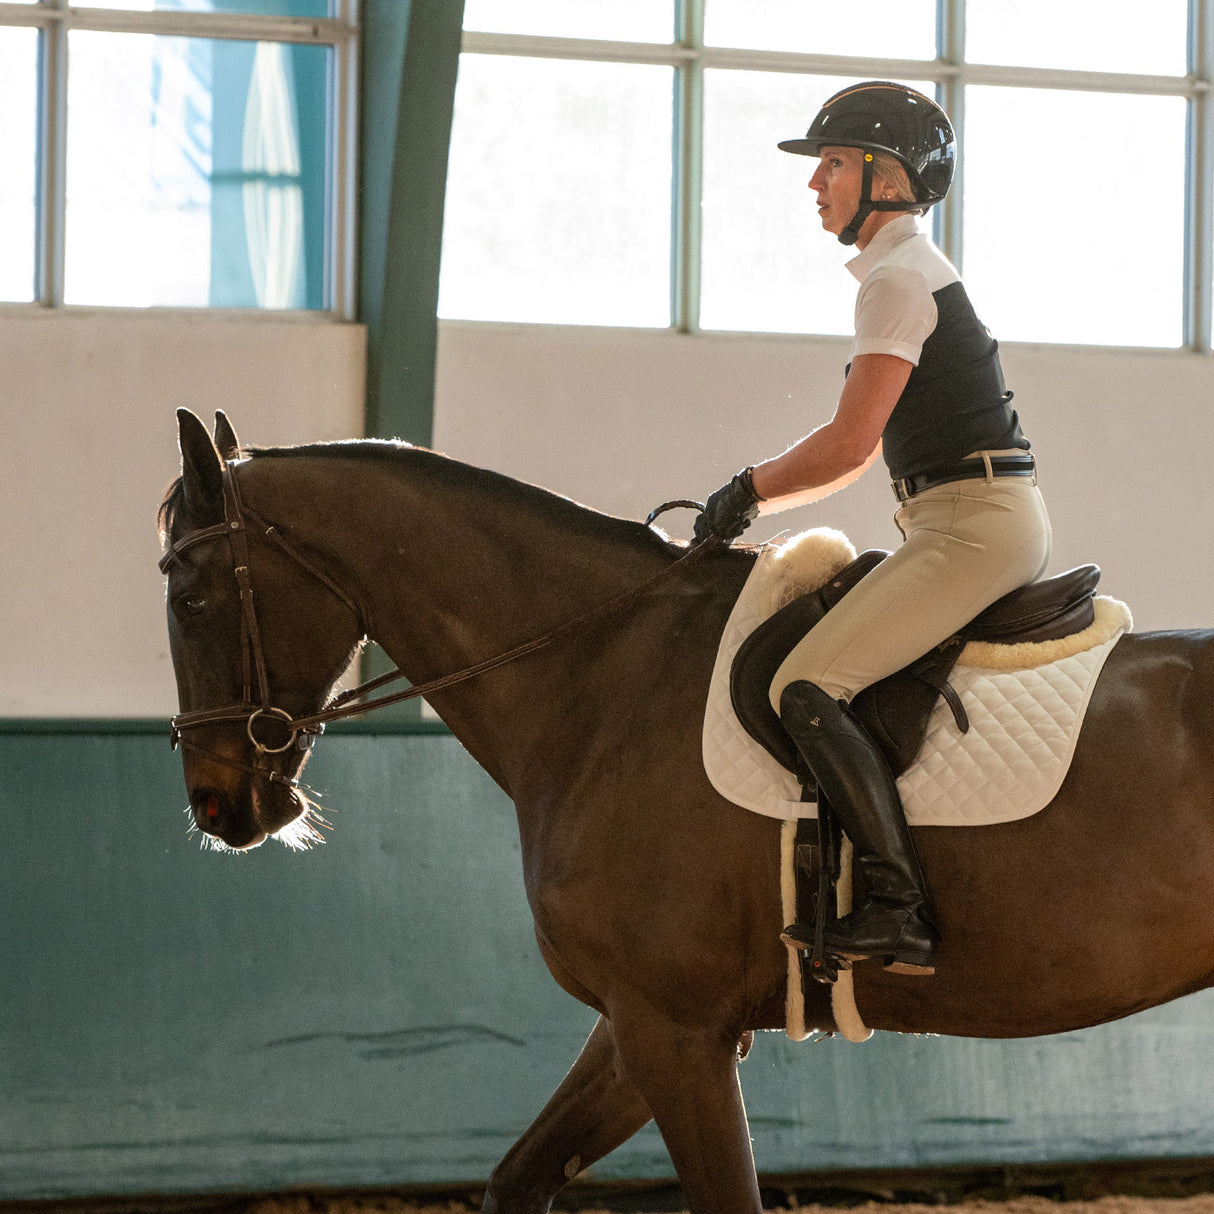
{"x":896,"y":710}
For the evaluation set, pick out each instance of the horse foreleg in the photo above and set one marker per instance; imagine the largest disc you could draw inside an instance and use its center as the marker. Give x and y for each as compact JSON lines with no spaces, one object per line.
{"x":690,"y":1080}
{"x":595,"y":1109}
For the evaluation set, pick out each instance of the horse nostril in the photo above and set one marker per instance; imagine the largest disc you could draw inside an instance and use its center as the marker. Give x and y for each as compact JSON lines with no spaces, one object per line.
{"x":216,"y":814}
{"x":207,"y":805}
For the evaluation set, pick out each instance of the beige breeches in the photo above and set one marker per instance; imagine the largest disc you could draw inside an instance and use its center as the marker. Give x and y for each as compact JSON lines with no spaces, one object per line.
{"x":967,"y":544}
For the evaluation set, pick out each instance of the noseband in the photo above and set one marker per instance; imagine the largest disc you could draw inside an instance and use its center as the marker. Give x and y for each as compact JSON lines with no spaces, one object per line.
{"x":302,"y":732}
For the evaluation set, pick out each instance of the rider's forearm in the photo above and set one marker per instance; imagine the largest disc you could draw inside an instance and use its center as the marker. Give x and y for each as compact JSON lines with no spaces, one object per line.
{"x":815,"y":493}
{"x":836,"y":454}
{"x":819,"y":464}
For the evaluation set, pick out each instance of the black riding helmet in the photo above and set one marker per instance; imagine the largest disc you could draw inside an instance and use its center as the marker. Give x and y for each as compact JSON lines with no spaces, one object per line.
{"x":880,"y":116}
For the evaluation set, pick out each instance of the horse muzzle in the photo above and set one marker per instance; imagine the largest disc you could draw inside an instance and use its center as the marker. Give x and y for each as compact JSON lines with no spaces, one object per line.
{"x":241,"y":802}
{"x":216,"y":814}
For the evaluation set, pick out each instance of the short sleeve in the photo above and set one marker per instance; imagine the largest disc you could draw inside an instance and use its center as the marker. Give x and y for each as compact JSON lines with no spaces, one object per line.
{"x":895,"y":314}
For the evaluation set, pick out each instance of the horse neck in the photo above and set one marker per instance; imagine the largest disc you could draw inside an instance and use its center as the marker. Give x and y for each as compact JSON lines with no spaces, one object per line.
{"x":456,"y":566}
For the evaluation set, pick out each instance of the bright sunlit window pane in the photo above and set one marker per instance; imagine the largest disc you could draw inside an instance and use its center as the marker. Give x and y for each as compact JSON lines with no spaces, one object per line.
{"x":619,"y":21}
{"x":766,"y":263}
{"x":18,"y":97}
{"x":902,"y":29}
{"x":558,"y":193}
{"x":1089,"y":35}
{"x":188,"y":181}
{"x":1061,"y":259}
{"x":257,"y":8}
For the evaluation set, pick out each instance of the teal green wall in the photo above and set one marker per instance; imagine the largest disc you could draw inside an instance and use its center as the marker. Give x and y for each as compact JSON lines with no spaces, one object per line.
{"x":369,"y":1012}
{"x":374,"y":1012}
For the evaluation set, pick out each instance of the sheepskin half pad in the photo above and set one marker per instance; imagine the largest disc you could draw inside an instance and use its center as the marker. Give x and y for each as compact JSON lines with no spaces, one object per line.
{"x":1025,"y":704}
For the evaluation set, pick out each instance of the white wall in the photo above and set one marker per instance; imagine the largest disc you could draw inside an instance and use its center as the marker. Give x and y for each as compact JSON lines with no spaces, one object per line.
{"x":623,"y":420}
{"x":89,"y":444}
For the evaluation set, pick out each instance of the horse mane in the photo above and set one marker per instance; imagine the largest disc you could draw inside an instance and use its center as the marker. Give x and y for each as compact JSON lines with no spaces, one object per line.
{"x":379,"y":450}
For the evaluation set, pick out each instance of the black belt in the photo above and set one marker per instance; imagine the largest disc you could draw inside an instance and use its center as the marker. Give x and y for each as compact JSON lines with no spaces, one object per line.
{"x":965,"y":470}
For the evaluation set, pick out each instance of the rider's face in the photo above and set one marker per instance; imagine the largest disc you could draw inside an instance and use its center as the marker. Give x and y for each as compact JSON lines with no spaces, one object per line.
{"x":837,"y":182}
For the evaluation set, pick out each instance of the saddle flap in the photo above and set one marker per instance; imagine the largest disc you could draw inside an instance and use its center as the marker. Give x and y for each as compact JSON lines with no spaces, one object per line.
{"x":761,"y":654}
{"x":896,"y":710}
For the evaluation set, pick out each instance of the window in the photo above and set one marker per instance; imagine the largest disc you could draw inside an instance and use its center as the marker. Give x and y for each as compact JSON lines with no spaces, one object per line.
{"x":1080,"y":35}
{"x":619,"y":21}
{"x":567,"y":157}
{"x":902,"y":29}
{"x":761,"y":266}
{"x":184,"y":154}
{"x":19,"y":141}
{"x":1099,"y":257}
{"x":1082,"y":211}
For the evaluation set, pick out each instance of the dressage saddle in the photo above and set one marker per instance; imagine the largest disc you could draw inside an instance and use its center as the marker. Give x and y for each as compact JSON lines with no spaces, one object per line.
{"x":896,"y":710}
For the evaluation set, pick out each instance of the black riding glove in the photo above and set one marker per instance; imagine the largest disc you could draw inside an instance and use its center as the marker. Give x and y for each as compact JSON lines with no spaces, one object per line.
{"x":728,"y":511}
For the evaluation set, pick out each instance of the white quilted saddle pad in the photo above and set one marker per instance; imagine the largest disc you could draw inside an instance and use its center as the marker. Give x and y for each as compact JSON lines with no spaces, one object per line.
{"x":1025,"y":704}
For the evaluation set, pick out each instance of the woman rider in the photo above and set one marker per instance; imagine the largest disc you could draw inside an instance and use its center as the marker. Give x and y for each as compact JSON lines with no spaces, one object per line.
{"x":925,"y":390}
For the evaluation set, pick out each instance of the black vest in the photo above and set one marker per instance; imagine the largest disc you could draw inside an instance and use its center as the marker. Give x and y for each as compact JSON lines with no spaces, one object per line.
{"x":955,"y":401}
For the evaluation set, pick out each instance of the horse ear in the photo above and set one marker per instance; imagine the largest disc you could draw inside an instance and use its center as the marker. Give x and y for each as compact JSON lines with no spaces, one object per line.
{"x":226,"y":441}
{"x":201,"y":468}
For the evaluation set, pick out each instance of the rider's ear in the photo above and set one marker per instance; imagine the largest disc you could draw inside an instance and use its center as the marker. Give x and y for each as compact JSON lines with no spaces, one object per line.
{"x":201,"y":468}
{"x":226,"y":441}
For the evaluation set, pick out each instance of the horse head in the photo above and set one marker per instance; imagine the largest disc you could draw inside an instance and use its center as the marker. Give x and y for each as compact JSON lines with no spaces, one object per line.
{"x":258,"y":633}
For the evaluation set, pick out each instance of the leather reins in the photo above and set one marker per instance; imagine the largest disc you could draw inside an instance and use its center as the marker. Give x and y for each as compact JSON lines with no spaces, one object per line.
{"x":304,"y":730}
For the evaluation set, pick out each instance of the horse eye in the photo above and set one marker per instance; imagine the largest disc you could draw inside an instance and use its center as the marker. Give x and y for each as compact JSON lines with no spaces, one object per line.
{"x":193,"y":604}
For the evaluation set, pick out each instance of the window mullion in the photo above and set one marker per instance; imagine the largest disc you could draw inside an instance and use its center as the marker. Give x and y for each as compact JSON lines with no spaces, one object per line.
{"x":688,"y":172}
{"x":950,"y":50}
{"x":242,"y":27}
{"x":1199,"y":190}
{"x":593,"y":50}
{"x":52,"y":160}
{"x":342,"y":256}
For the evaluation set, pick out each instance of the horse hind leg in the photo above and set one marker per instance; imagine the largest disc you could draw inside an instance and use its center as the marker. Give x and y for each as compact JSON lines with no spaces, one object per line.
{"x":594,"y":1110}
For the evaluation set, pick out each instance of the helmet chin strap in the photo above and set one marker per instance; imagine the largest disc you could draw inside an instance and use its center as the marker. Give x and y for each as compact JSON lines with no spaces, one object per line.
{"x":868,"y":204}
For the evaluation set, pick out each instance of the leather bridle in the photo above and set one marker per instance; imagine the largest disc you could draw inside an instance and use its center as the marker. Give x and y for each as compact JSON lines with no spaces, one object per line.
{"x":234,"y":528}
{"x":258,"y":712}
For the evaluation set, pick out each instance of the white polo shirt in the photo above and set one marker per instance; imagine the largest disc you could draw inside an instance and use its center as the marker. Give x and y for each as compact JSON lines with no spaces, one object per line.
{"x":898,"y":273}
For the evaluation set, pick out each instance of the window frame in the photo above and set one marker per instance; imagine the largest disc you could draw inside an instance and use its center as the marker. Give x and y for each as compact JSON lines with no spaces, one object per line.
{"x":951,"y":73}
{"x":56,"y":19}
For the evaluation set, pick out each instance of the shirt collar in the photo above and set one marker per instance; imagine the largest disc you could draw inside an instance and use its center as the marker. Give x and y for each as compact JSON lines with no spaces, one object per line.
{"x":894,"y":232}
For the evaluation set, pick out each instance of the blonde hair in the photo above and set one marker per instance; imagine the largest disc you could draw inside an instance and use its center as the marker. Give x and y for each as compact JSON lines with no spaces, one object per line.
{"x":893,"y":172}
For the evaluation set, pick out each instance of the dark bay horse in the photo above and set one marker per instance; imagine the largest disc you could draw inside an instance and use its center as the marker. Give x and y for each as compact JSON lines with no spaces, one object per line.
{"x":655,"y":901}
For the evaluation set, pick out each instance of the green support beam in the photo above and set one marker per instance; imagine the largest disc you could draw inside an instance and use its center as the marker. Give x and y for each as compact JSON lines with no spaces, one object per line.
{"x":410,"y":58}
{"x":410,"y":61}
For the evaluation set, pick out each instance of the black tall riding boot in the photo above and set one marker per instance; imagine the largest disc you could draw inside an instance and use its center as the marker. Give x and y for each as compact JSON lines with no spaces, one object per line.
{"x":895,"y":923}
